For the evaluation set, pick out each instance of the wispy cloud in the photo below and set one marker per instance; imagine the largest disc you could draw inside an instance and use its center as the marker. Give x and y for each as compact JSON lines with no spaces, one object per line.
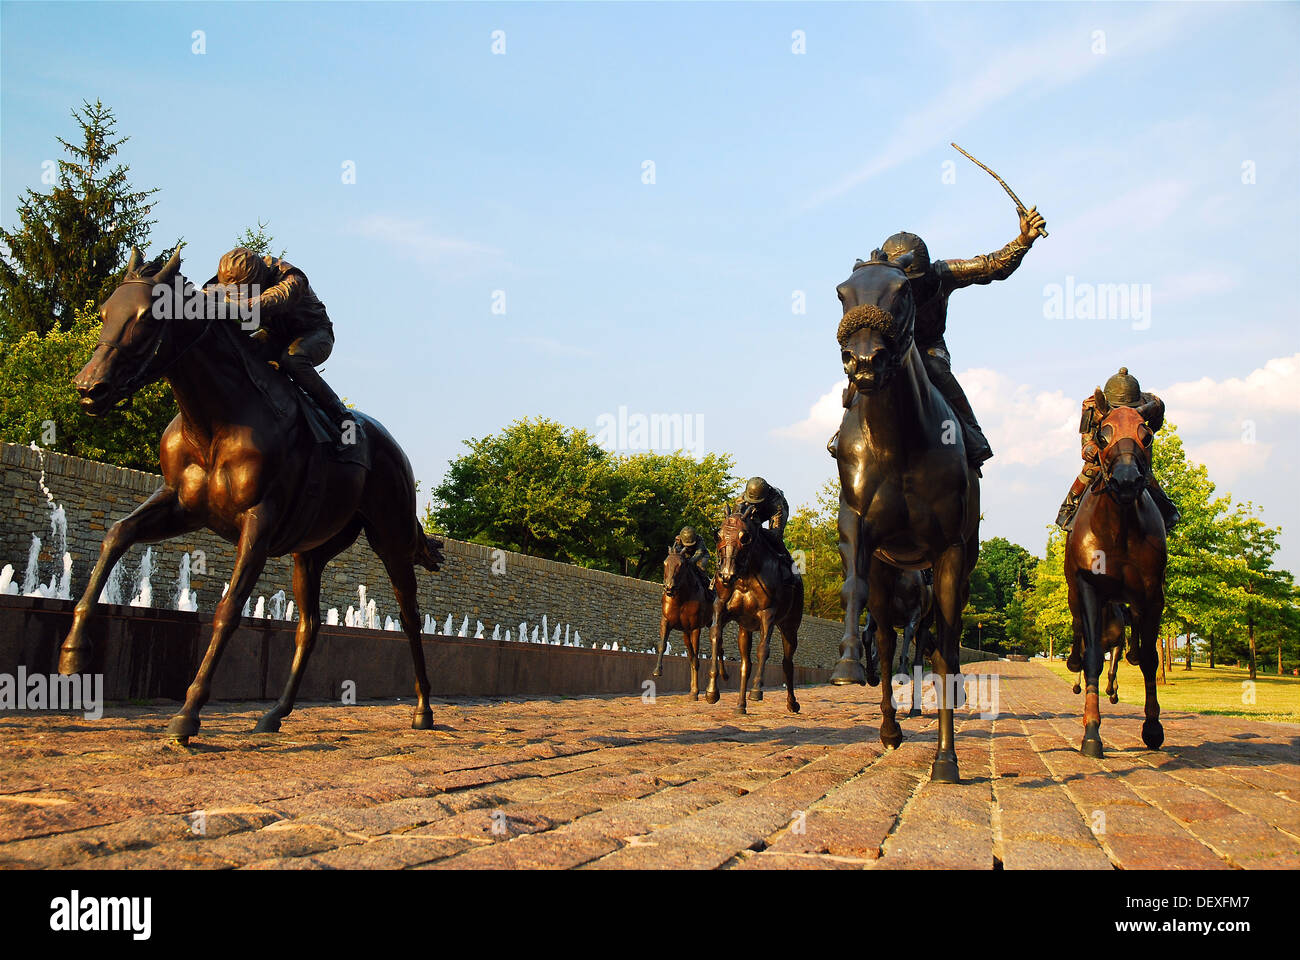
{"x":1043,"y":63}
{"x":416,"y":240}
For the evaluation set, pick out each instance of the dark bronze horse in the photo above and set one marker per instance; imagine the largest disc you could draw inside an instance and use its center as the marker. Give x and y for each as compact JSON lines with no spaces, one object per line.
{"x":756,"y":588}
{"x":1116,"y":554}
{"x":908,"y":498}
{"x":688,"y":607}
{"x":240,"y":460}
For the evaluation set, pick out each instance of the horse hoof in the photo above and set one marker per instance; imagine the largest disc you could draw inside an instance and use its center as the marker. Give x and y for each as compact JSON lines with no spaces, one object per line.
{"x":423,"y":720}
{"x":1153,"y":734}
{"x":695,"y":696}
{"x":711,"y":697}
{"x":944,"y":770}
{"x":268,"y":724}
{"x":1114,"y":698}
{"x":792,"y":705}
{"x":1092,"y":748}
{"x":891,"y":735}
{"x":741,"y":711}
{"x":1076,"y":688}
{"x":849,"y":671}
{"x":657,"y":674}
{"x":756,"y":695}
{"x":182,"y":727}
{"x":74,"y":661}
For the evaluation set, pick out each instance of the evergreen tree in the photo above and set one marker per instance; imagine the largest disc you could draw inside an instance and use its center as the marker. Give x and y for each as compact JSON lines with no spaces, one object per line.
{"x":72,"y":243}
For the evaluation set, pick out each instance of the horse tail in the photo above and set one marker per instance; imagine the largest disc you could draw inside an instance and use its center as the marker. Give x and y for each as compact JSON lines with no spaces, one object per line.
{"x":428,"y":551}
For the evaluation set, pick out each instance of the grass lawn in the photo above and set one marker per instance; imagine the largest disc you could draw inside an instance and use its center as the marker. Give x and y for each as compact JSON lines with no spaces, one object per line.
{"x":1202,"y":690}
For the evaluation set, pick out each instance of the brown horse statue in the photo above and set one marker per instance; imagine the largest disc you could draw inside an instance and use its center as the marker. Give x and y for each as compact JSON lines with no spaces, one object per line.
{"x":687,"y":607}
{"x":756,"y":588}
{"x":1116,"y":554}
{"x":240,"y":460}
{"x":908,"y":498}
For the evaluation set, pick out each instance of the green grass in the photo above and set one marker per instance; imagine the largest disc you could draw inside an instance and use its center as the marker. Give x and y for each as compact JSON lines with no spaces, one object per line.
{"x":1201,"y":690}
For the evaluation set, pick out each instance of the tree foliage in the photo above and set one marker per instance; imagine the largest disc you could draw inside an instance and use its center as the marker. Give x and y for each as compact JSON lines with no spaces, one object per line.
{"x":551,"y":491}
{"x":72,"y":243}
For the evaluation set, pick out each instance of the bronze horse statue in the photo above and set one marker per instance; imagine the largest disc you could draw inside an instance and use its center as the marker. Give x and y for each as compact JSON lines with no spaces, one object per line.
{"x":1116,"y":554}
{"x":240,"y":460}
{"x":688,"y":607}
{"x":908,"y":498}
{"x":757,"y":589}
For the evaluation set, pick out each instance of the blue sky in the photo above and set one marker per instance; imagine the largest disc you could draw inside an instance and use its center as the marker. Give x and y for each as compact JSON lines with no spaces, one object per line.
{"x":1130,"y":126}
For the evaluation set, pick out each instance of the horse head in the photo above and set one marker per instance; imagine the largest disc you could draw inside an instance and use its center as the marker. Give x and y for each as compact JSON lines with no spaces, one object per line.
{"x":734,"y":542}
{"x":1125,"y":441}
{"x":876,"y":330}
{"x":673,"y":567}
{"x":136,"y":339}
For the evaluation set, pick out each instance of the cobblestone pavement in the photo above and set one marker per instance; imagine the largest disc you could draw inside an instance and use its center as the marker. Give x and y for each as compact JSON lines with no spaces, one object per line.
{"x":614,"y":782}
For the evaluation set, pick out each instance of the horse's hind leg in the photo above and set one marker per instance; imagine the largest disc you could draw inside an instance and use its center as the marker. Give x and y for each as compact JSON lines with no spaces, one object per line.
{"x":1153,"y":733}
{"x":401,"y":571}
{"x":692,"y":640}
{"x":790,"y":643}
{"x":306,"y":593}
{"x":764,"y":631}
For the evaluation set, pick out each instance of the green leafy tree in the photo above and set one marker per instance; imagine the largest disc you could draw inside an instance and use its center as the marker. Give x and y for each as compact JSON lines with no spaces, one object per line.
{"x":812,"y":534}
{"x":1046,"y":605}
{"x":38,"y":402}
{"x":1003,"y":571}
{"x":72,"y":243}
{"x":259,"y":241}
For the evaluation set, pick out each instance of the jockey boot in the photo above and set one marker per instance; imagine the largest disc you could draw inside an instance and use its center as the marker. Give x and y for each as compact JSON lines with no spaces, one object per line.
{"x":1168,"y":511}
{"x":312,"y":384}
{"x":1065,"y":519}
{"x":940,"y":374}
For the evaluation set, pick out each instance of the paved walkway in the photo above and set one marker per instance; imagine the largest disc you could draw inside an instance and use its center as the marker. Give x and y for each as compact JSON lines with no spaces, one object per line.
{"x":614,"y":782}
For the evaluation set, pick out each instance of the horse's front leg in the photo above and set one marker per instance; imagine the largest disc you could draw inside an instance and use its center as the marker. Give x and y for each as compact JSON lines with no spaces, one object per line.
{"x":715,"y":639}
{"x":853,"y":596}
{"x":765,"y":623}
{"x":743,"y":642}
{"x":950,"y":595}
{"x":663,"y":643}
{"x":693,"y":650}
{"x":250,"y":558}
{"x":161,"y":517}
{"x":1153,"y":733}
{"x":1090,"y":608}
{"x":881,"y":601}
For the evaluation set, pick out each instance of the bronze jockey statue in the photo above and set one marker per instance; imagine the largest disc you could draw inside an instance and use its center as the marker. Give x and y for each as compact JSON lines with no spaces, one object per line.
{"x":1121,"y":390}
{"x":293,"y":330}
{"x":766,"y":504}
{"x":932,"y":283}
{"x":689,"y":545}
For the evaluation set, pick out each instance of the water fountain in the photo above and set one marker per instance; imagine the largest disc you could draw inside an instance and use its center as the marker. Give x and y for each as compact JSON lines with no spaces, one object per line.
{"x":332,"y":616}
{"x":372,"y":615}
{"x":7,"y":585}
{"x":143,"y":596}
{"x":496,"y":632}
{"x":184,"y":598}
{"x":464,"y":627}
{"x":288,"y":611}
{"x":277,"y":605}
{"x":478,"y":630}
{"x":259,"y":611}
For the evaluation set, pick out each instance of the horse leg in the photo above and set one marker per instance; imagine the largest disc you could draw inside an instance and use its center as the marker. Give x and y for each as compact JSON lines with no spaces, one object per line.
{"x":250,"y":558}
{"x":742,"y":641}
{"x":715,"y":640}
{"x":307,"y":570}
{"x":950,"y":595}
{"x":853,"y":596}
{"x":790,"y":642}
{"x":693,"y":650}
{"x":306,"y":593}
{"x":1153,"y":733}
{"x":765,"y":623}
{"x":161,"y":517}
{"x":1090,"y":606}
{"x":663,"y":643}
{"x":401,"y":571}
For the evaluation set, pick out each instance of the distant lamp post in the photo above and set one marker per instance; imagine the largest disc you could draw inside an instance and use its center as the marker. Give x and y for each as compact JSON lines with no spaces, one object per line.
{"x":979,"y":636}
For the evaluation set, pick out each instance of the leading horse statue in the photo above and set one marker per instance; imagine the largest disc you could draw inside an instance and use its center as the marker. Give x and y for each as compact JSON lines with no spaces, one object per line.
{"x":908,"y":497}
{"x":241,"y":460}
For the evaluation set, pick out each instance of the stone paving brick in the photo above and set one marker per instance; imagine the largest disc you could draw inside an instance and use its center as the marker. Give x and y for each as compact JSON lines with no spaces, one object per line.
{"x":608,"y":782}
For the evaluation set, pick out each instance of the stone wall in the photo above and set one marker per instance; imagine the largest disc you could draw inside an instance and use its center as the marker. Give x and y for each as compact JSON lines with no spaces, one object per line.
{"x":491,"y":586}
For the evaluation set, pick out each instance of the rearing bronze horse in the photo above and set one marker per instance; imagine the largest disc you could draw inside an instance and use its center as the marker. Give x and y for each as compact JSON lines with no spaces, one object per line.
{"x":908,"y":498}
{"x":1115,"y":554}
{"x":240,"y":460}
